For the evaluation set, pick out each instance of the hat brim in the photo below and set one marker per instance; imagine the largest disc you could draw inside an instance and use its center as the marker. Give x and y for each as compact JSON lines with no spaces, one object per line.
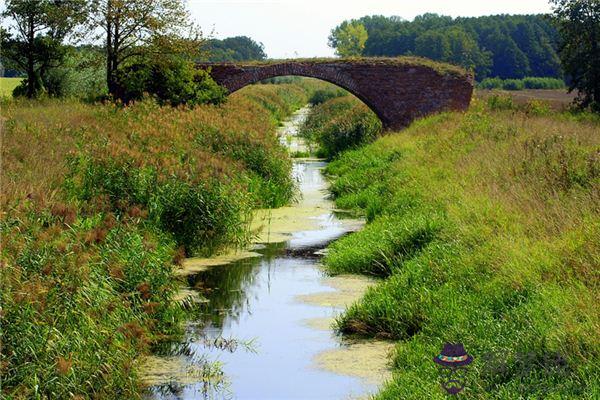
{"x":468,"y":361}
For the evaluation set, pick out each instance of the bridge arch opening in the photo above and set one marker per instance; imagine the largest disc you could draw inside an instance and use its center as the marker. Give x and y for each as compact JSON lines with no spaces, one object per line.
{"x":297,"y":78}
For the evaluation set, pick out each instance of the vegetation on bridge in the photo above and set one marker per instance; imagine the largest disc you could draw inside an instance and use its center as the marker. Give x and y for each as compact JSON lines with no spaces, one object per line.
{"x":440,"y":67}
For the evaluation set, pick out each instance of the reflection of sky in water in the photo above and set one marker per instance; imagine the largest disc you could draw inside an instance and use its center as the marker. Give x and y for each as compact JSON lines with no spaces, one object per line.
{"x":255,"y":299}
{"x":282,"y":366}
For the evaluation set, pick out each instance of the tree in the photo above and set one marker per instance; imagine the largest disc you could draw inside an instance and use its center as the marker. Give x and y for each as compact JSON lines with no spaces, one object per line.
{"x":40,"y":27}
{"x":578,"y":22}
{"x":510,"y":45}
{"x":509,"y":60}
{"x":174,"y":82}
{"x":238,"y":48}
{"x":465,"y":51}
{"x":434,"y":45}
{"x":349,"y":39}
{"x":141,"y":28}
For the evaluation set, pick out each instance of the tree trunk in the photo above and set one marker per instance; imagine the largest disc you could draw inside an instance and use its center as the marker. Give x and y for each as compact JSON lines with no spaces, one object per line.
{"x":31,"y":78}
{"x":110,"y":70}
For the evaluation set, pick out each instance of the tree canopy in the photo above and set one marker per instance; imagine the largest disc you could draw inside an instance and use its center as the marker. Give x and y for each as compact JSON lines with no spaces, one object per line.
{"x":142,"y":29}
{"x":504,"y":46}
{"x":33,"y":43}
{"x":579,"y":26}
{"x":349,"y":39}
{"x":238,"y":48}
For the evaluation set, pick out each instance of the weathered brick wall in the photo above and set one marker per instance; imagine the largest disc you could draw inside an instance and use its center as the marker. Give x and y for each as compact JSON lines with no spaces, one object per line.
{"x":397,"y":92}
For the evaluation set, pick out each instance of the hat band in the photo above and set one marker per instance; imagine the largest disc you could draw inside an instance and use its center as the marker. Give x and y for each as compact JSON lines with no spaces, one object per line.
{"x":453,"y":359}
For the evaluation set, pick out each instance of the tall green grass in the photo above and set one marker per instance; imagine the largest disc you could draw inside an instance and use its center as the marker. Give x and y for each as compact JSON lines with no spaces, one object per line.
{"x":484,"y":229}
{"x":339,"y":123}
{"x":99,"y":205}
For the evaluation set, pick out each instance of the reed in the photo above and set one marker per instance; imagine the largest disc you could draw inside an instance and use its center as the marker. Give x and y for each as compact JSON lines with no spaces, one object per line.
{"x":484,"y":227}
{"x":99,"y":203}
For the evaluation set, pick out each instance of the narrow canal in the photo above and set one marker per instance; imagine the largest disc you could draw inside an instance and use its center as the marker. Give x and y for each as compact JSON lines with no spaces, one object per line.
{"x":264,"y":326}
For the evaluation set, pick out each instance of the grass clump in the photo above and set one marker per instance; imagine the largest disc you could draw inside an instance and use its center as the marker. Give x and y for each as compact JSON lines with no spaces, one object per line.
{"x":383,"y":245}
{"x":484,"y":229}
{"x":320,"y":96}
{"x":339,"y":124}
{"x":99,"y":204}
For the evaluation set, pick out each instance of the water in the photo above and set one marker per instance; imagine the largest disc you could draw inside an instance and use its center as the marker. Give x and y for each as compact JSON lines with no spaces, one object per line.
{"x":258,"y":320}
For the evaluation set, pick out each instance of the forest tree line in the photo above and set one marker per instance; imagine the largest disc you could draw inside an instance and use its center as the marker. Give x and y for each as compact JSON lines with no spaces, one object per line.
{"x":503,"y":46}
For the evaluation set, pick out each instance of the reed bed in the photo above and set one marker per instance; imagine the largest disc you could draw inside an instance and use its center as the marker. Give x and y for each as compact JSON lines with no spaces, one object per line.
{"x":99,"y":204}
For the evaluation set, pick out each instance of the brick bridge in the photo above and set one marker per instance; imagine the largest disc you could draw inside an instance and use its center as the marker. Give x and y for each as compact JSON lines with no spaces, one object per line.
{"x":398,"y":90}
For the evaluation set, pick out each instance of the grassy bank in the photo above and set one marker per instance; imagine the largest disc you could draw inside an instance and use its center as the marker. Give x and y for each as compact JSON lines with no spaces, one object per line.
{"x":98,"y":205}
{"x":483,"y":228}
{"x":338,"y":122}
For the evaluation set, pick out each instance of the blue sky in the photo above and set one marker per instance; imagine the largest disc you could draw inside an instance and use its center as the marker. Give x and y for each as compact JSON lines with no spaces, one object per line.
{"x":299,"y":28}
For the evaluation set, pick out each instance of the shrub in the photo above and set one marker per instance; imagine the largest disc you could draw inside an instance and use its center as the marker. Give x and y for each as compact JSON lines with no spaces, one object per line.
{"x":282,"y":80}
{"x":357,"y":127}
{"x":174,"y":82}
{"x":537,"y":107}
{"x":500,"y":102}
{"x":491,"y":83}
{"x":513,"y":84}
{"x":544,"y":83}
{"x":339,"y":124}
{"x":320,"y":96}
{"x":202,"y":215}
{"x":520,"y":84}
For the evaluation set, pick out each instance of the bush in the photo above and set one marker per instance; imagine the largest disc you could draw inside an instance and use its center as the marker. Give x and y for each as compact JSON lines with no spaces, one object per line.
{"x":498,"y":102}
{"x":202,"y":215}
{"x":339,"y":124}
{"x":357,"y":127}
{"x":491,"y":83}
{"x":282,"y":80}
{"x":520,"y":84}
{"x":320,"y":96}
{"x":174,"y":82}
{"x":544,"y":83}
{"x":513,"y":84}
{"x":82,"y":75}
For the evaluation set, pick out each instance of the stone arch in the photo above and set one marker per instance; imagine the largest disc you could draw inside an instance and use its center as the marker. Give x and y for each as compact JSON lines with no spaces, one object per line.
{"x":398,"y":90}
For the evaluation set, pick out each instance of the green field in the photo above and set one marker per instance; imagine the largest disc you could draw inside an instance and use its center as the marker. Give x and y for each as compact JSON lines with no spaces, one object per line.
{"x":7,"y":85}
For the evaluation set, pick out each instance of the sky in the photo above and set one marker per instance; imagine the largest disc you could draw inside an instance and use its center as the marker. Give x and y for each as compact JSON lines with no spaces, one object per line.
{"x":299,"y":28}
